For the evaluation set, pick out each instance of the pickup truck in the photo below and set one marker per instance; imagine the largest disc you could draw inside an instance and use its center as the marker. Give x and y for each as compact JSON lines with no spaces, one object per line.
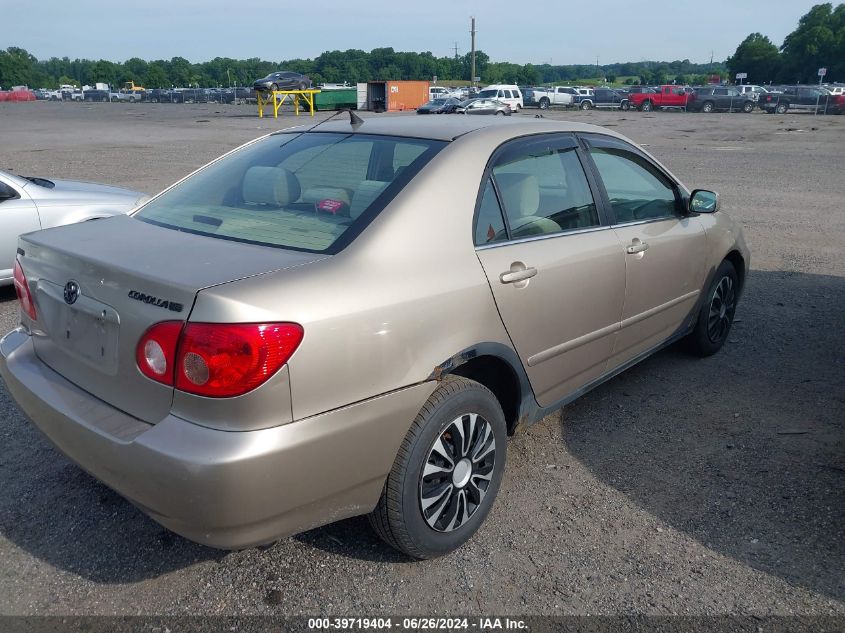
{"x":659,"y":98}
{"x":806,"y":98}
{"x":557,"y":95}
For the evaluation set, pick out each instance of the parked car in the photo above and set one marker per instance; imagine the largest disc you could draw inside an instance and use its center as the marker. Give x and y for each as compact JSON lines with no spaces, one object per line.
{"x":719,"y":99}
{"x":270,"y":352}
{"x":506,"y":93}
{"x":668,"y":96}
{"x":751,"y":91}
{"x":439,"y":106}
{"x":836,"y":90}
{"x":283,"y":80}
{"x":30,"y":204}
{"x":557,"y":95}
{"x":239,"y":95}
{"x":802,"y":98}
{"x":483,"y":106}
{"x":439,"y":92}
{"x":159,"y":95}
{"x":602,"y":98}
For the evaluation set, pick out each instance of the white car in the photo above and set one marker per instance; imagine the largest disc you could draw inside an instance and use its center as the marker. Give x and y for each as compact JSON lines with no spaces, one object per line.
{"x":752,"y":91}
{"x":30,"y":204}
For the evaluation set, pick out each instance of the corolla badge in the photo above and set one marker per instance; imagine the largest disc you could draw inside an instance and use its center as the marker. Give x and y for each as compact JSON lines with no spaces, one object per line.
{"x":71,"y":292}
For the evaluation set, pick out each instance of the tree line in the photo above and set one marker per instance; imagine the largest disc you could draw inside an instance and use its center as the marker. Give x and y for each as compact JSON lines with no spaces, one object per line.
{"x":817,"y":42}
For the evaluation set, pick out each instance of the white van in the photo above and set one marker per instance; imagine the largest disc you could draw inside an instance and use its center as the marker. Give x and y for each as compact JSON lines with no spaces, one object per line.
{"x":507,"y":93}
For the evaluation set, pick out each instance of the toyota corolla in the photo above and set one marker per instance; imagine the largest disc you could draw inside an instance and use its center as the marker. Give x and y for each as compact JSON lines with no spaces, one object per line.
{"x":307,"y":329}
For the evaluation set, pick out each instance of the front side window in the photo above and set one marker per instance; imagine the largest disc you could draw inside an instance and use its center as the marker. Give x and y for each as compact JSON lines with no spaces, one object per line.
{"x":312,"y":192}
{"x":636,"y":189}
{"x":543,"y":190}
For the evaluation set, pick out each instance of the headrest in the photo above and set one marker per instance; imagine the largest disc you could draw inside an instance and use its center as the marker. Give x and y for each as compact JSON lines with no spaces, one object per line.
{"x":520,"y":193}
{"x":273,"y":186}
{"x":316,"y":194}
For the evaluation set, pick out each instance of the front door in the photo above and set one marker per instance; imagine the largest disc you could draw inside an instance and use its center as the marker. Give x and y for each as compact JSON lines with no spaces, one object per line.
{"x":18,"y":214}
{"x":665,"y":250}
{"x":556,"y":270}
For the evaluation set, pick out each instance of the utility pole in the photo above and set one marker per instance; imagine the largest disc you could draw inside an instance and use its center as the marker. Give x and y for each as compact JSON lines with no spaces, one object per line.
{"x":456,"y":50}
{"x":472,"y":33}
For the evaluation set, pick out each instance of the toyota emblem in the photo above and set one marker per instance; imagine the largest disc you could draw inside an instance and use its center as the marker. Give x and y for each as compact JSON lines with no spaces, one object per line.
{"x":71,"y":292}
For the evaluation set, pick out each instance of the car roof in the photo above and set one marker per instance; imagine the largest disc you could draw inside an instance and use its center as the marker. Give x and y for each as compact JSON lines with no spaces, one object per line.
{"x":451,"y":128}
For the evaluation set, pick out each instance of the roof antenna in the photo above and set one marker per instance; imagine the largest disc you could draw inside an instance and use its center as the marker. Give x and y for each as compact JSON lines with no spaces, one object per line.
{"x":354,"y":119}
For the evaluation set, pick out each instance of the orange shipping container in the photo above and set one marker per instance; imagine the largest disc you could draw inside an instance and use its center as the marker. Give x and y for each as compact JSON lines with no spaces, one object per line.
{"x":406,"y":95}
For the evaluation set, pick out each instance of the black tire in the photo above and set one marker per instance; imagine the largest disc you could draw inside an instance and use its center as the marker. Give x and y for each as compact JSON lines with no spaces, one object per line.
{"x":646,"y":106}
{"x":781,"y":108}
{"x":716,"y":314}
{"x":748,"y":108}
{"x":586,"y":105}
{"x":303,"y":85}
{"x":707,"y":107}
{"x":625,"y":106}
{"x":544,"y":103}
{"x":274,"y":87}
{"x":499,"y":113}
{"x":398,"y":518}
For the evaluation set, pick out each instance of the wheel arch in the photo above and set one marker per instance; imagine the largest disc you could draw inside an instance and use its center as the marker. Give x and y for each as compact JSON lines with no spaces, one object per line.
{"x":738,"y":261}
{"x":498,"y":368}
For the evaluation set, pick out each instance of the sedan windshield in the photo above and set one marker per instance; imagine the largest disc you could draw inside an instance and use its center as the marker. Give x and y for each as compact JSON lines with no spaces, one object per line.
{"x":311,"y":192}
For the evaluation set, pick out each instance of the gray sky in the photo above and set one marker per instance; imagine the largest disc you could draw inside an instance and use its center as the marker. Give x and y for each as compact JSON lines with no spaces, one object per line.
{"x":556,"y":31}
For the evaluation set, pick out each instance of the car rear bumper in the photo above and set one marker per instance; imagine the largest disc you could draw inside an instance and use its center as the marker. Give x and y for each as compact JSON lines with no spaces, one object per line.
{"x":220,"y":488}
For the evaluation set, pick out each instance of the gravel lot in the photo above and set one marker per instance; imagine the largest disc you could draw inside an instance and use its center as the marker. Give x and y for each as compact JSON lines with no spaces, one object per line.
{"x":682,"y":486}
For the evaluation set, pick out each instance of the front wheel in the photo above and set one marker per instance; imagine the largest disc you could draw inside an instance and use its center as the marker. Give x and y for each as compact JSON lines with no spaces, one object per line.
{"x":781,"y":108}
{"x":447,"y":472}
{"x":625,"y":106}
{"x":707,"y":108}
{"x":748,"y":108}
{"x":586,"y":105}
{"x":716,"y":314}
{"x":646,"y":106}
{"x":544,"y":103}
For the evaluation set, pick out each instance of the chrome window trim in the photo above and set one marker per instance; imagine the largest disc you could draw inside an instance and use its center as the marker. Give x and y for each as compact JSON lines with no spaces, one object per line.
{"x":544,"y":236}
{"x":649,"y":221}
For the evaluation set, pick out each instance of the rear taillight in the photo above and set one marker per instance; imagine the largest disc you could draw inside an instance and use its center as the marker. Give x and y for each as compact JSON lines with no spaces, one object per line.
{"x":213,"y":359}
{"x":22,"y":290}
{"x":156,"y":351}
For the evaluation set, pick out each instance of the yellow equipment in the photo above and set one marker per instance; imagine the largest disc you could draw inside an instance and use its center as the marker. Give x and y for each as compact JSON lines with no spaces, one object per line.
{"x":278,"y":97}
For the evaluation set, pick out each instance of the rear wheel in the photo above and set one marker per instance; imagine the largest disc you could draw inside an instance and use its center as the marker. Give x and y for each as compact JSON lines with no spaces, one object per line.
{"x":646,"y":106}
{"x":625,"y":106}
{"x":781,"y":108}
{"x":544,"y":103}
{"x":274,"y":87}
{"x":748,"y":107}
{"x":499,"y":113}
{"x":586,"y":105}
{"x":447,"y":472}
{"x":716,"y":314}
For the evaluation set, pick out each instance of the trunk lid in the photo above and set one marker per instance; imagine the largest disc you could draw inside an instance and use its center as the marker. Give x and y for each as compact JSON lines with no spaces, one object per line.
{"x":127,"y":275}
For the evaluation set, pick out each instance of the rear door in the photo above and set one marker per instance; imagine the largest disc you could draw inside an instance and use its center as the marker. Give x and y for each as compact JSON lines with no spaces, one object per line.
{"x":556,"y":269}
{"x":664,"y":250}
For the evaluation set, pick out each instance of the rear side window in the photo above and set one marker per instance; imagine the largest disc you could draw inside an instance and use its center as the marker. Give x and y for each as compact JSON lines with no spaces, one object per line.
{"x":544,"y":190}
{"x":489,"y":226}
{"x":311,"y":192}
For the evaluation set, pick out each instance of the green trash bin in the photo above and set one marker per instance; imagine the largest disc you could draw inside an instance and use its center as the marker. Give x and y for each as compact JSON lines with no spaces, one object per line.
{"x":336,"y":99}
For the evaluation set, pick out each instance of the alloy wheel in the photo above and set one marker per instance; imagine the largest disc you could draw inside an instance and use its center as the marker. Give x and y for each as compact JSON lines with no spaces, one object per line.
{"x":457,"y":472}
{"x":722,"y":307}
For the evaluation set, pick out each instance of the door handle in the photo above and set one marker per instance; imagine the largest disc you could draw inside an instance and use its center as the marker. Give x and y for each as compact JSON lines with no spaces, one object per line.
{"x":513,"y":276}
{"x":636,"y":247}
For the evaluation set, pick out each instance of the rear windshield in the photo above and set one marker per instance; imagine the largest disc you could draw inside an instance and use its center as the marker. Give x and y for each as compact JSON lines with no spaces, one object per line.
{"x":308,"y":191}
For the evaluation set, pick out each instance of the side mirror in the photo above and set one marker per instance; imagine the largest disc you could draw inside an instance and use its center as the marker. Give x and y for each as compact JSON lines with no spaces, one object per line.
{"x":703,"y":201}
